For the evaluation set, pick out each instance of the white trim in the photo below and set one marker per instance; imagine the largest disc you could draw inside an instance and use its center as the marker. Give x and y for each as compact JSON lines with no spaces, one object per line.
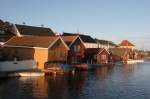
{"x":75,"y":40}
{"x":16,"y":31}
{"x":64,"y":43}
{"x":2,"y":43}
{"x":53,"y":42}
{"x":9,"y":40}
{"x":61,"y":41}
{"x":103,"y":50}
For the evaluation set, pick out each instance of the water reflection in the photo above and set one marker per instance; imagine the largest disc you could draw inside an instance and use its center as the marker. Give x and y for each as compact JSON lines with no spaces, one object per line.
{"x":128,"y":69}
{"x":103,"y":72}
{"x":59,"y":87}
{"x":40,"y":88}
{"x":106,"y":82}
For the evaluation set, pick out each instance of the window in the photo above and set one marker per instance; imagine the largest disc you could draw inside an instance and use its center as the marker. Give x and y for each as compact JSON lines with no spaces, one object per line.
{"x":95,"y":57}
{"x":103,"y":57}
{"x":74,"y":59}
{"x":2,"y":32}
{"x":76,"y":48}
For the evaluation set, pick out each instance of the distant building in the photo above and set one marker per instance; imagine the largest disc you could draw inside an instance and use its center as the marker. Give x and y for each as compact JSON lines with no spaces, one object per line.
{"x":8,"y":30}
{"x":105,"y":44}
{"x":121,"y":54}
{"x":43,"y":50}
{"x":34,"y":31}
{"x":88,"y":41}
{"x":126,"y":44}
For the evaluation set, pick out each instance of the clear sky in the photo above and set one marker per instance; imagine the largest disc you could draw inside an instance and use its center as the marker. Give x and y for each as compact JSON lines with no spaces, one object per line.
{"x":104,"y":19}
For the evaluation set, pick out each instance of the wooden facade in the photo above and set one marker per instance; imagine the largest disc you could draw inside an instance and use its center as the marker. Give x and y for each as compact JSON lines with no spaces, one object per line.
{"x":97,"y":56}
{"x":103,"y":57}
{"x":49,"y":49}
{"x":76,"y":52}
{"x":121,"y":54}
{"x":9,"y":53}
{"x":125,"y":54}
{"x":58,"y":53}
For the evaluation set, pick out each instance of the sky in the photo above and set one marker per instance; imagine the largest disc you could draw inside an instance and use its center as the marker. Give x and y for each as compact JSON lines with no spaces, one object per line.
{"x":113,"y":20}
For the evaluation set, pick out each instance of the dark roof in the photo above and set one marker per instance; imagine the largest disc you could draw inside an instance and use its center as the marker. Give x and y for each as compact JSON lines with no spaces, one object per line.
{"x":84,"y":38}
{"x":105,"y":42}
{"x":31,"y":41}
{"x":32,"y":30}
{"x":119,"y":51}
{"x":126,"y":43}
{"x":93,"y":50}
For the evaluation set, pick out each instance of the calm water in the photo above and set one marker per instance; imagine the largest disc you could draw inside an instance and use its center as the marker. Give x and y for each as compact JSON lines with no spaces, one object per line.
{"x":117,"y":82}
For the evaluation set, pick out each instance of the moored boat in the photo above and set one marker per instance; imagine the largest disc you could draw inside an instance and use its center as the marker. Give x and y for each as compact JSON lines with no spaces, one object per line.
{"x":14,"y":66}
{"x":31,"y":74}
{"x":134,"y":61}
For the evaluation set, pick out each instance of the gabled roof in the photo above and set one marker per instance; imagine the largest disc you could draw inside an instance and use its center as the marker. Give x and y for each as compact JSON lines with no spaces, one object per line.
{"x":84,"y":38}
{"x":126,"y":43}
{"x":31,"y":41}
{"x":32,"y":30}
{"x":119,"y":51}
{"x":94,"y":50}
{"x":68,"y":39}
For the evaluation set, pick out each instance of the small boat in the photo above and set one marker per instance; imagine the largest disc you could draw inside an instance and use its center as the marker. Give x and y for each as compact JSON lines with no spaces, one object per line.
{"x":26,"y":74}
{"x":131,"y":61}
{"x":31,"y":74}
{"x":134,"y":61}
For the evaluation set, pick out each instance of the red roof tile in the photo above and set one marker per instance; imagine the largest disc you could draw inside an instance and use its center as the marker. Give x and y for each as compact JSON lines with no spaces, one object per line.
{"x":125,"y":43}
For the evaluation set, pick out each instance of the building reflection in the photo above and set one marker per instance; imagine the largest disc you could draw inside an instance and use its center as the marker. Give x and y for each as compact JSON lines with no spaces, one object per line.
{"x":128,"y":69}
{"x":40,"y":86}
{"x":103,"y":71}
{"x":59,"y":87}
{"x":49,"y":87}
{"x":76,"y":83}
{"x":35,"y":86}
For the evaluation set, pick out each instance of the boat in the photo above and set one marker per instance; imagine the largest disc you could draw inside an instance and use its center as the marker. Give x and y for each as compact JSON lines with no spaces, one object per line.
{"x":134,"y":61}
{"x":17,"y":65}
{"x":31,"y":74}
{"x":26,"y":74}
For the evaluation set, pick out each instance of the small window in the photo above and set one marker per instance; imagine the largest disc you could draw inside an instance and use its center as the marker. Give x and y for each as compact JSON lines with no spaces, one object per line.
{"x":103,"y":57}
{"x":95,"y":57}
{"x":76,"y":48}
{"x":2,"y":32}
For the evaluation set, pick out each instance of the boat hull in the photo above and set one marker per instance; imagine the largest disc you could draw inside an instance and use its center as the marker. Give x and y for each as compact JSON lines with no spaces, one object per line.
{"x":31,"y":74}
{"x":13,"y":66}
{"x":134,"y":61}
